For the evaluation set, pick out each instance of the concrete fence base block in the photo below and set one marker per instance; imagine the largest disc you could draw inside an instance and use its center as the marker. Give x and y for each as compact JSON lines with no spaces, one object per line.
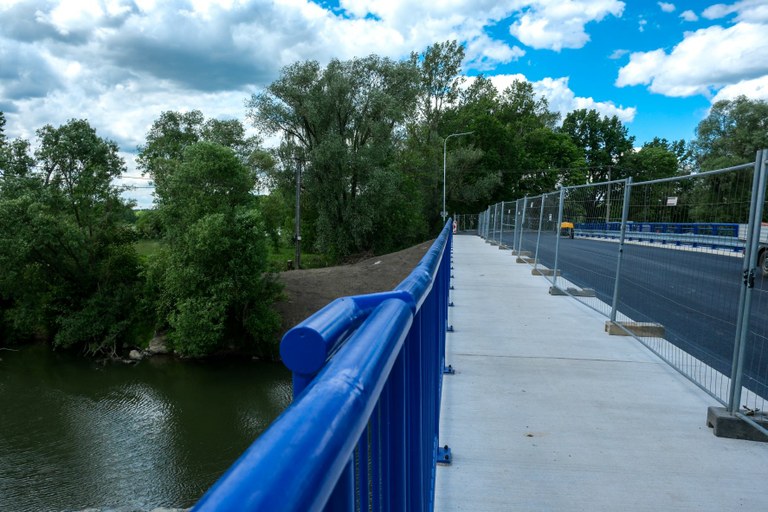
{"x":584,"y":292}
{"x":522,"y":254}
{"x":543,"y":272}
{"x":524,"y":259}
{"x":725,"y":424}
{"x":642,"y":329}
{"x":502,"y":246}
{"x":554,"y":290}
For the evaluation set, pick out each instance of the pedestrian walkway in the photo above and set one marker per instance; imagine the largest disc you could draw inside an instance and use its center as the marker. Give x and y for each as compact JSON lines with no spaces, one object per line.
{"x":547,"y":412}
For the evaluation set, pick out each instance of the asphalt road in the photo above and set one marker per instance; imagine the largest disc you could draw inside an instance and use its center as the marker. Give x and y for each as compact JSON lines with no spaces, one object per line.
{"x":694,"y":295}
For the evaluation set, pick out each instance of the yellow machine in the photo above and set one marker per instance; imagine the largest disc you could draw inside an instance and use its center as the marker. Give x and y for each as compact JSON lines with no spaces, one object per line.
{"x":566,"y":229}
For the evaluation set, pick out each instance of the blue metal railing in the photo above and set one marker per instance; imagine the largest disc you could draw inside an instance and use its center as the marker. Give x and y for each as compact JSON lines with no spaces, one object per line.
{"x":362,"y":431}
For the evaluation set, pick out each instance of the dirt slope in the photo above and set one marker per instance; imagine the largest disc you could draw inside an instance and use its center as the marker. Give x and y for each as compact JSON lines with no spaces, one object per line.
{"x":307,"y":291}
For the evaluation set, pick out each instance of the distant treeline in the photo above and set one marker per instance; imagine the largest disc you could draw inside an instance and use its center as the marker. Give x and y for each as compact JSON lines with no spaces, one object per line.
{"x":368,"y":137}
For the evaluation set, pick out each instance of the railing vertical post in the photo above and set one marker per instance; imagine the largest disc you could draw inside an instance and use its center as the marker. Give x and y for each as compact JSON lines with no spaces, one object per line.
{"x":624,"y":217}
{"x":398,"y":462}
{"x":343,"y":497}
{"x":414,"y":408}
{"x":750,"y":262}
{"x":560,"y":210}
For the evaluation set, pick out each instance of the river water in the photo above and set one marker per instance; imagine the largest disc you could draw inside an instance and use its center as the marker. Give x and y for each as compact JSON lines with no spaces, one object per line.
{"x":77,"y":434}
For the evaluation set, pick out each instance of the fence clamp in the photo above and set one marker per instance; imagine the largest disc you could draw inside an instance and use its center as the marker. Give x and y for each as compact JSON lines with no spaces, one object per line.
{"x":749,"y":278}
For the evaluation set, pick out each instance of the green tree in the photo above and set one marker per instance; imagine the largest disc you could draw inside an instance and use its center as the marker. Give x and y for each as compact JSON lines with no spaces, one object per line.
{"x":214,"y":292}
{"x":173,"y":132}
{"x":439,"y":83}
{"x":345,"y":124}
{"x":732,"y":133}
{"x":70,"y":271}
{"x":649,"y":163}
{"x":604,"y":140}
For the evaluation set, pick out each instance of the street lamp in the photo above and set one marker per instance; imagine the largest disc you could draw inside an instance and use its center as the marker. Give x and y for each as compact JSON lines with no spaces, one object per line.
{"x":444,"y":213}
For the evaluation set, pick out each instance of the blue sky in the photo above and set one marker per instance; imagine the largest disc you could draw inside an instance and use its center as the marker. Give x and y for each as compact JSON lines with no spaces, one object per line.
{"x":658,"y":66}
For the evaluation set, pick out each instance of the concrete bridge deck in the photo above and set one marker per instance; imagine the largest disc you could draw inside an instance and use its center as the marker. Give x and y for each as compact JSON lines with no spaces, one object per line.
{"x":547,"y":412}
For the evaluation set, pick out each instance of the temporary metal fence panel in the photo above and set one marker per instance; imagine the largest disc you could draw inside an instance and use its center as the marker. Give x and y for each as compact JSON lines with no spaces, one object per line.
{"x":685,"y":287}
{"x":587,"y":262}
{"x":544,"y":256}
{"x":691,"y":291}
{"x":466,"y":222}
{"x":529,"y":226}
{"x":508,"y":223}
{"x":362,"y":432}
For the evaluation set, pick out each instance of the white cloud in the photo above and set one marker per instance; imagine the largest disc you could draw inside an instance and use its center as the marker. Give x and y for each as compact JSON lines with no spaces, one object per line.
{"x":120,"y":63}
{"x":558,"y":24}
{"x":666,"y":7}
{"x":689,"y":15}
{"x":755,"y":89}
{"x":617,"y":54}
{"x":745,"y":10}
{"x":705,"y":60}
{"x":563,"y":100}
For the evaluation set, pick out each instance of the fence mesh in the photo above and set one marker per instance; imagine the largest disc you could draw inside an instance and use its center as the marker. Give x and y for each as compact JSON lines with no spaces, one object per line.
{"x":667,"y":266}
{"x":682,"y":270}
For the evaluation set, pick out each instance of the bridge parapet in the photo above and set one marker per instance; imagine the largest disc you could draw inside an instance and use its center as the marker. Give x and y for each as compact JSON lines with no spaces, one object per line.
{"x":363,"y":426}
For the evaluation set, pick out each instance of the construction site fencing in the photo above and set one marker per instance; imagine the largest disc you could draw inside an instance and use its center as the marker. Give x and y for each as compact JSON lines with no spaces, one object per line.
{"x":680,"y":263}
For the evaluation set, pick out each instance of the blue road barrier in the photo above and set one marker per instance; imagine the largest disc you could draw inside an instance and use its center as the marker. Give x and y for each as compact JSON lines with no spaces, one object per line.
{"x":699,"y":234}
{"x":362,"y":431}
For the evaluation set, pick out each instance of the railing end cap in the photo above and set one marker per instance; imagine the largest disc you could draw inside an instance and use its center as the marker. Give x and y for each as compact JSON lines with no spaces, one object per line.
{"x":303,"y":350}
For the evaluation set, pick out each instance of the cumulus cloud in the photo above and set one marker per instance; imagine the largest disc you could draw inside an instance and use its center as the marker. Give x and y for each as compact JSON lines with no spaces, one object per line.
{"x":746,"y":10}
{"x":562,"y":99}
{"x":755,"y":89}
{"x":689,"y":15}
{"x":558,"y":24}
{"x":119,"y":63}
{"x":706,"y":60}
{"x":666,"y":7}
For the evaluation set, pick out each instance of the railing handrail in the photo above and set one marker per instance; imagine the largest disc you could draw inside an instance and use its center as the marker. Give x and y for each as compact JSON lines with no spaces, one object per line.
{"x":343,"y":355}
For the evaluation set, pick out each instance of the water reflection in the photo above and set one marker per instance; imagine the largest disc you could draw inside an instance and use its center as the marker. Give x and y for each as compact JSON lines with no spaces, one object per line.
{"x":76,"y":435}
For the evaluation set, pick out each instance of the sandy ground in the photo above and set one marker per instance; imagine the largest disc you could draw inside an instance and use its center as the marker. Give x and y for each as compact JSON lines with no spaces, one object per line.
{"x":306,"y":291}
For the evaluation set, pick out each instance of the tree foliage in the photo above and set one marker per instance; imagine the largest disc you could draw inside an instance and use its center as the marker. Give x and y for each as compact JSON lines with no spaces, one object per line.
{"x":732,"y":133}
{"x":70,"y":271}
{"x":213,"y":289}
{"x":343,"y":124}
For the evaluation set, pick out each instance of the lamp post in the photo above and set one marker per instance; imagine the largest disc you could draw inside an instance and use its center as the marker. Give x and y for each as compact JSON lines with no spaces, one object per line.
{"x":444,"y":213}
{"x":297,"y":220}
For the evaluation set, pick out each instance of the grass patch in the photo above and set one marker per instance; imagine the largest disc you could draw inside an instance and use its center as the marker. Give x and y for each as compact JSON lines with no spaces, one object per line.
{"x":148,"y":248}
{"x":278,"y":259}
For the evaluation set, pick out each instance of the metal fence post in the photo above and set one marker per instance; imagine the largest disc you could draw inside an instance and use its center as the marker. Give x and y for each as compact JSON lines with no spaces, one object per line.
{"x":488,"y":224}
{"x":522,"y":225}
{"x":750,"y":262}
{"x":516,"y":229}
{"x":538,"y":236}
{"x":557,"y":238}
{"x":624,"y":217}
{"x":501,"y":225}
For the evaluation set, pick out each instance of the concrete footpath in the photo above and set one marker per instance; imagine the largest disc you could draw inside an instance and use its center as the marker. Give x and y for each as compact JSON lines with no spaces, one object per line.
{"x":547,"y":412}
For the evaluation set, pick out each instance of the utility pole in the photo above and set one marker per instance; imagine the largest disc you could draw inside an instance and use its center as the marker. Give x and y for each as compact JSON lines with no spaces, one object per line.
{"x":297,"y":230}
